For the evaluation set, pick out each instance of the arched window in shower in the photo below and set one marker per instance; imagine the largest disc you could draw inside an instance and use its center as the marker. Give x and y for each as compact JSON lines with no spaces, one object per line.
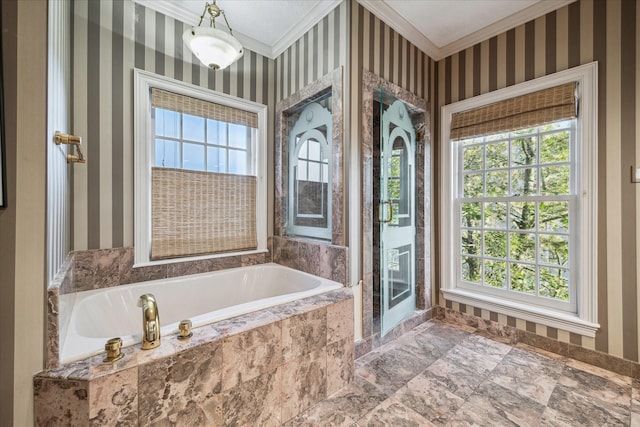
{"x":309,"y":210}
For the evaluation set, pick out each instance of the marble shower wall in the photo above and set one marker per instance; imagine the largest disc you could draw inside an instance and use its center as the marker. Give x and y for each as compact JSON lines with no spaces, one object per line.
{"x":262,"y":368}
{"x":324,"y":259}
{"x":320,"y":259}
{"x":334,"y":82}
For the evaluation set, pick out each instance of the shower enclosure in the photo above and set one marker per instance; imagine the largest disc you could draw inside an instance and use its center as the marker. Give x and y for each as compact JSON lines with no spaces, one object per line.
{"x":395,"y":233}
{"x":396,"y":219}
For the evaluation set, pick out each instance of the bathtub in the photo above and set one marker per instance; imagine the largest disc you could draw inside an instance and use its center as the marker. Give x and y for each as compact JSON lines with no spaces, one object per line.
{"x":101,"y":314}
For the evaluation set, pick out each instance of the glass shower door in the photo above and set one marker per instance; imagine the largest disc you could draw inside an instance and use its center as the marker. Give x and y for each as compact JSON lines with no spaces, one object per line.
{"x":397,"y":216}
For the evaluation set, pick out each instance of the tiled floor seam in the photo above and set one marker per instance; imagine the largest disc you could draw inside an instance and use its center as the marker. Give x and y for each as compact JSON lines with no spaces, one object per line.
{"x":518,"y":384}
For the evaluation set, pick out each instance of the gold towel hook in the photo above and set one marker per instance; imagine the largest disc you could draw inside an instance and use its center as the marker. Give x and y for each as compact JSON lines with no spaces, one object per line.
{"x":73,"y":140}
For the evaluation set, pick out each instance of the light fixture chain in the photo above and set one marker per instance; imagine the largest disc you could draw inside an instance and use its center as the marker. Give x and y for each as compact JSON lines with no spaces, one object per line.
{"x":224,"y":15}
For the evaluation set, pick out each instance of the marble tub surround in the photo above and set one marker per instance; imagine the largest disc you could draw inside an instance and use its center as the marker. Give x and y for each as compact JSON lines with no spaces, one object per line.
{"x":313,"y":257}
{"x":566,"y":349}
{"x":261,"y":368}
{"x":57,"y":320}
{"x":104,"y":268}
{"x":332,"y":81}
{"x":448,"y":374}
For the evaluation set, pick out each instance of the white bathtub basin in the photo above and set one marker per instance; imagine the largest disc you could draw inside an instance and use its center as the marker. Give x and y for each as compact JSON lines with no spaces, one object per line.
{"x":205,"y":298}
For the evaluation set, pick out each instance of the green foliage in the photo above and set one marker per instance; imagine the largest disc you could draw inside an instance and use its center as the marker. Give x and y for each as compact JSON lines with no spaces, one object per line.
{"x":495,"y":273}
{"x":497,"y":154}
{"x":518,"y":245}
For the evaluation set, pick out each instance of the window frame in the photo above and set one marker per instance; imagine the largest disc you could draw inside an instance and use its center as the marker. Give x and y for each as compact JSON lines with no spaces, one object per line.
{"x":583,"y":239}
{"x":144,"y":133}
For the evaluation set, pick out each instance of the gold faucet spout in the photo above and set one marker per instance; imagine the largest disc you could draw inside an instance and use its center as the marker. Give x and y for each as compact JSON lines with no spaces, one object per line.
{"x":150,"y":321}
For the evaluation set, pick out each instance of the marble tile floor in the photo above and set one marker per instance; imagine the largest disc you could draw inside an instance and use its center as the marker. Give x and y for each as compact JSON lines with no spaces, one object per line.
{"x":441,"y":374}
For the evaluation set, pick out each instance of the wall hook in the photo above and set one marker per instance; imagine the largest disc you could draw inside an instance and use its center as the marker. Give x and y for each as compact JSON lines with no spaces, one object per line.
{"x":73,"y":140}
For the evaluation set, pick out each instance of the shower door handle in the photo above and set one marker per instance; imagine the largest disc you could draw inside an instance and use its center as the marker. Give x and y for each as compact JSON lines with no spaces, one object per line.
{"x":389,"y":212}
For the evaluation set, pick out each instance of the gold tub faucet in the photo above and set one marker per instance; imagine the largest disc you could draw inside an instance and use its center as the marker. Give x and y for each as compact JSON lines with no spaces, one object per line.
{"x":150,"y":321}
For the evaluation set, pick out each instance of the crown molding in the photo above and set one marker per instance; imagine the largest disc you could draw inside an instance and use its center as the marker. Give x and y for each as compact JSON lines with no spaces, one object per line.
{"x":534,"y":11}
{"x":171,"y":9}
{"x":382,"y":10}
{"x":396,"y":21}
{"x":319,"y":11}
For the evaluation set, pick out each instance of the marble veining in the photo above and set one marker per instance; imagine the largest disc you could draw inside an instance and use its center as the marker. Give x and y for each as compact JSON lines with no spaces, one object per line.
{"x":304,"y":383}
{"x":256,"y":402}
{"x":340,"y":365}
{"x":474,"y":381}
{"x":114,"y":399}
{"x":183,"y":382}
{"x":513,"y":335}
{"x":255,"y":352}
{"x":262,"y":368}
{"x":320,"y":259}
{"x":60,"y":402}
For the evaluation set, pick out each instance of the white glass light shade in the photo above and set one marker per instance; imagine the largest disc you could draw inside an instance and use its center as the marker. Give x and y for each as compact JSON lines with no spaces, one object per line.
{"x":215,"y":48}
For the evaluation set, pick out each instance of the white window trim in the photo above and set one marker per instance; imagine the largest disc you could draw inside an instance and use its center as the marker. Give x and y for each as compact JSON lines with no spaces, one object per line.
{"x":585,"y":320}
{"x":143,"y":160}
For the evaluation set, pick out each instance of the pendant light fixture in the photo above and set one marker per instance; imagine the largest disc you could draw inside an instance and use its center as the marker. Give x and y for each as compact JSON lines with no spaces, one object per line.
{"x":215,"y":48}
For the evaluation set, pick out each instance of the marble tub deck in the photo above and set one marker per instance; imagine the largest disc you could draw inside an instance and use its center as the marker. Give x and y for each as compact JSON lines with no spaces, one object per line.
{"x":440,"y":374}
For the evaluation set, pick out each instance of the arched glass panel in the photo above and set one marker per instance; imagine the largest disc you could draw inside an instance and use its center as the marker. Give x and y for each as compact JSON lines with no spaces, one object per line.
{"x":310,"y":138}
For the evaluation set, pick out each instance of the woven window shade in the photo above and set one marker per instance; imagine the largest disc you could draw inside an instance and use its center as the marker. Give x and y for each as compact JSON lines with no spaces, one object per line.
{"x":197,"y":107}
{"x":533,"y":109}
{"x":196,"y":213}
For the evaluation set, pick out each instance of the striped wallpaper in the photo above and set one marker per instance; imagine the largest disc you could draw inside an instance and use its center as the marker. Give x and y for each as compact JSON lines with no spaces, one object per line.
{"x":110,"y":38}
{"x":584,"y":31}
{"x":319,"y":51}
{"x":380,"y":49}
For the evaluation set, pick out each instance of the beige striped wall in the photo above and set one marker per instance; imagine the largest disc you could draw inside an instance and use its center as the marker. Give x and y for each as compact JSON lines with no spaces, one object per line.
{"x":584,"y":31}
{"x":110,"y":38}
{"x":378,"y":48}
{"x":318,"y":52}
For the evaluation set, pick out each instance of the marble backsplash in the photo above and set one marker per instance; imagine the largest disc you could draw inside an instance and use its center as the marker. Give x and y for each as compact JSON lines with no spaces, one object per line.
{"x":262,"y":368}
{"x":313,"y":257}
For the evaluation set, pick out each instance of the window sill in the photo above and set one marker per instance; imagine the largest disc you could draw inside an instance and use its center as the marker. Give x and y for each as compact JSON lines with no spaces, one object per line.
{"x":566,"y":321}
{"x":197,"y":258}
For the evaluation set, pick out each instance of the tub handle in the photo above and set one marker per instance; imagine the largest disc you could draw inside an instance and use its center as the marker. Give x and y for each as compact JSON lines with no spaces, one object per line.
{"x":185,"y":330}
{"x":112,"y":348}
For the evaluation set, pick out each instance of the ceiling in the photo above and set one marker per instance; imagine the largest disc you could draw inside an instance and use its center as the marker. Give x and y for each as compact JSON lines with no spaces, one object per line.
{"x":438,"y":27}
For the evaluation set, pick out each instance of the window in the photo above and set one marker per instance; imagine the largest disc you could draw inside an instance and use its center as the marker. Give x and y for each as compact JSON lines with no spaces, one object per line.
{"x":521,"y":239}
{"x":185,"y":141}
{"x":516,"y":210}
{"x":200,"y":172}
